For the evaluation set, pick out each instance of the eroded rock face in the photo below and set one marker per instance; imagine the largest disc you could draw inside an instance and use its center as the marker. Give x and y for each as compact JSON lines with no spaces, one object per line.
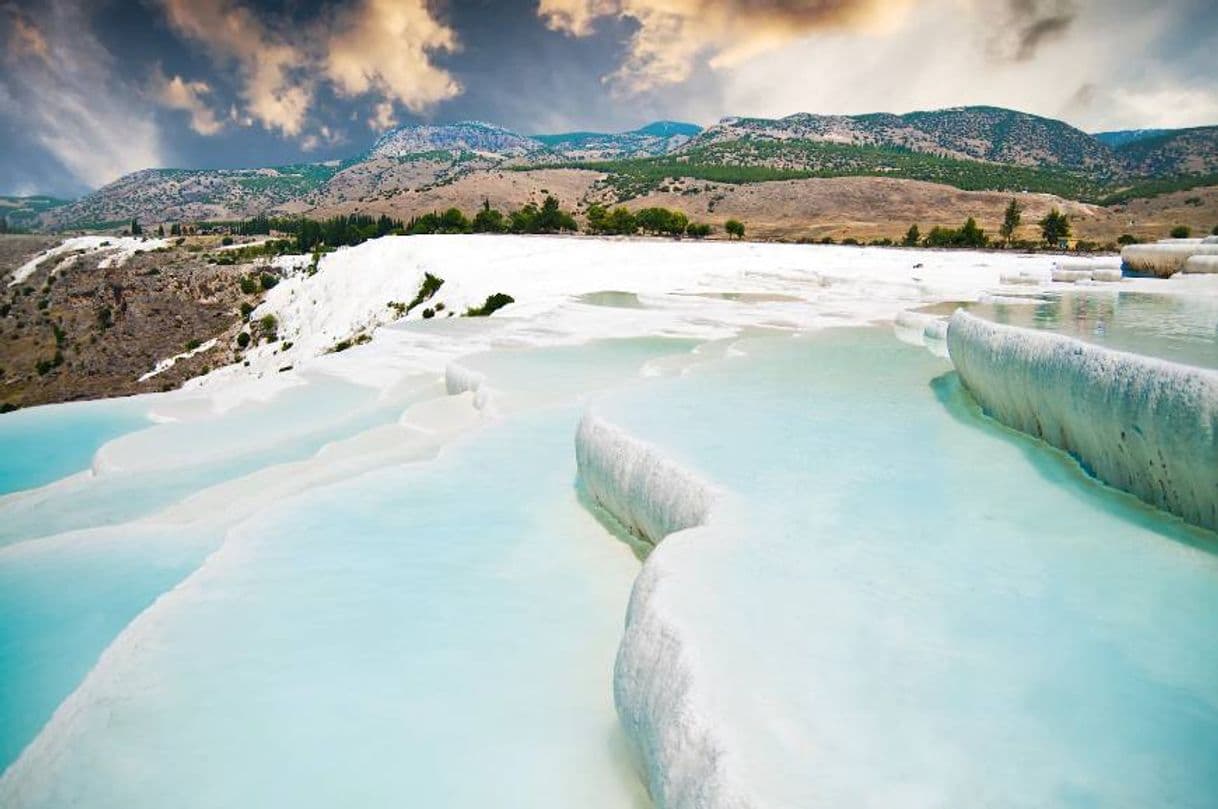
{"x":77,"y":330}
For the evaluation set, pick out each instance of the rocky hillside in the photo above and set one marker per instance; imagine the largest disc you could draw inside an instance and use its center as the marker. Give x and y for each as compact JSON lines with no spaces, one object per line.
{"x":172,"y":195}
{"x":1120,"y":137}
{"x":467,"y":136}
{"x":654,"y":139}
{"x":969,"y":148}
{"x":21,"y":213}
{"x":969,"y":133}
{"x":1180,"y":151}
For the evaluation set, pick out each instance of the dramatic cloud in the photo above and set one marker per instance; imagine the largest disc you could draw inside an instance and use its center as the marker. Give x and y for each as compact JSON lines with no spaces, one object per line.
{"x":25,"y":39}
{"x":385,"y":46}
{"x":382,"y":117}
{"x":70,"y":101}
{"x":178,"y":94}
{"x":323,"y":136}
{"x":274,"y":90}
{"x":673,"y":34}
{"x":1101,"y":71}
{"x":1027,"y":24}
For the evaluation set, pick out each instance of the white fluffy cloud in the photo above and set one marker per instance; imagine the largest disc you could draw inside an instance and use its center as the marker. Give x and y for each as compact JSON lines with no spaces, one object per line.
{"x":274,"y":88}
{"x":379,"y":47}
{"x":382,"y":117}
{"x":386,"y":47}
{"x":189,"y":96}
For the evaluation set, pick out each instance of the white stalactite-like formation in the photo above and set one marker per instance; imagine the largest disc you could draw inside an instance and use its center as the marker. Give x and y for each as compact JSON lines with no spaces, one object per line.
{"x":655,"y":682}
{"x":1143,"y":425}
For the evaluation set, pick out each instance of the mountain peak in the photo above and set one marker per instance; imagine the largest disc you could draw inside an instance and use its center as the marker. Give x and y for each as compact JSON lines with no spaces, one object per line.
{"x":464,"y":136}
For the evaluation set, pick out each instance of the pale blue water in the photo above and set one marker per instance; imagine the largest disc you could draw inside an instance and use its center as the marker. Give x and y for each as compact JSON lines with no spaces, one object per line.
{"x":61,"y":603}
{"x":1181,"y":328}
{"x":42,"y":444}
{"x":915,"y":606}
{"x":190,"y":456}
{"x":49,"y":643}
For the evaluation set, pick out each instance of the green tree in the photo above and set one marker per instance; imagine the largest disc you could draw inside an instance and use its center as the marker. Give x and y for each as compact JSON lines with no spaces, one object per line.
{"x":552,"y":219}
{"x":136,"y":230}
{"x":453,"y":221}
{"x":489,"y":220}
{"x":598,"y":218}
{"x":1011,"y":220}
{"x":175,"y":229}
{"x":912,"y":236}
{"x":698,"y":230}
{"x":1214,"y":231}
{"x":160,"y":230}
{"x":1181,"y":232}
{"x":622,"y":222}
{"x":734,"y":228}
{"x":971,"y":236}
{"x":1055,"y":227}
{"x":3,"y":224}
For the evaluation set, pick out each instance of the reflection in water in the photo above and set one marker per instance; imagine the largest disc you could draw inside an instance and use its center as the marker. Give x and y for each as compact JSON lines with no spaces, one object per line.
{"x":1177,"y":328}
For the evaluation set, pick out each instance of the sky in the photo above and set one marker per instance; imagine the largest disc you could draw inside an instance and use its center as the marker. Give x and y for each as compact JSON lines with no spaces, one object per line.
{"x":90,"y":91}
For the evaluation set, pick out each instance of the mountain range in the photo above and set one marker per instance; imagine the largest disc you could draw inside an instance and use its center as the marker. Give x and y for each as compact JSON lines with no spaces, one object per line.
{"x":408,"y":169}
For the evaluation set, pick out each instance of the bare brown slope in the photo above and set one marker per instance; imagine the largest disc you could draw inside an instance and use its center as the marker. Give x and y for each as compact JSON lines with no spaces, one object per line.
{"x":864,"y":208}
{"x":95,"y":331}
{"x":504,"y":189}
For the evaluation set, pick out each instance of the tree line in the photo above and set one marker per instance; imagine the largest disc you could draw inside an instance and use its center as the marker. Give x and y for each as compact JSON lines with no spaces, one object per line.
{"x":549,"y":217}
{"x":1054,"y":227}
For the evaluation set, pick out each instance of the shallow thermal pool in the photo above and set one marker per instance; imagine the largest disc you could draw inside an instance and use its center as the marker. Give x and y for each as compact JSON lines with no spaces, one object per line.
{"x":1178,"y":327}
{"x":340,"y":597}
{"x":900,"y":603}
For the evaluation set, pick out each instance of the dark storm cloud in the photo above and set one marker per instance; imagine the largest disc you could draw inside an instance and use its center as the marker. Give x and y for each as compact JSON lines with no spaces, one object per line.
{"x":1030,"y":24}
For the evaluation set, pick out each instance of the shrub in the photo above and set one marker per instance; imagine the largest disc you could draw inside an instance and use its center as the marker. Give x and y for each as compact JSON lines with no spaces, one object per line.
{"x":191,"y":345}
{"x":248,"y":285}
{"x":430,"y":286}
{"x":428,"y":313}
{"x":1214,"y":232}
{"x":1181,"y":232}
{"x":493,"y":303}
{"x":912,"y":236}
{"x":734,"y":228}
{"x":1126,"y":238}
{"x":247,"y":309}
{"x":268,"y":323}
{"x":698,"y":230}
{"x":268,"y":281}
{"x":851,"y":241}
{"x":828,"y":240}
{"x":226,"y":241}
{"x":7,"y":407}
{"x":243,"y":339}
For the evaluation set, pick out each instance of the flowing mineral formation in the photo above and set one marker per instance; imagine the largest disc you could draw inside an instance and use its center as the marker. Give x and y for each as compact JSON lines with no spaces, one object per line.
{"x":1143,"y":425}
{"x":655,"y":685}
